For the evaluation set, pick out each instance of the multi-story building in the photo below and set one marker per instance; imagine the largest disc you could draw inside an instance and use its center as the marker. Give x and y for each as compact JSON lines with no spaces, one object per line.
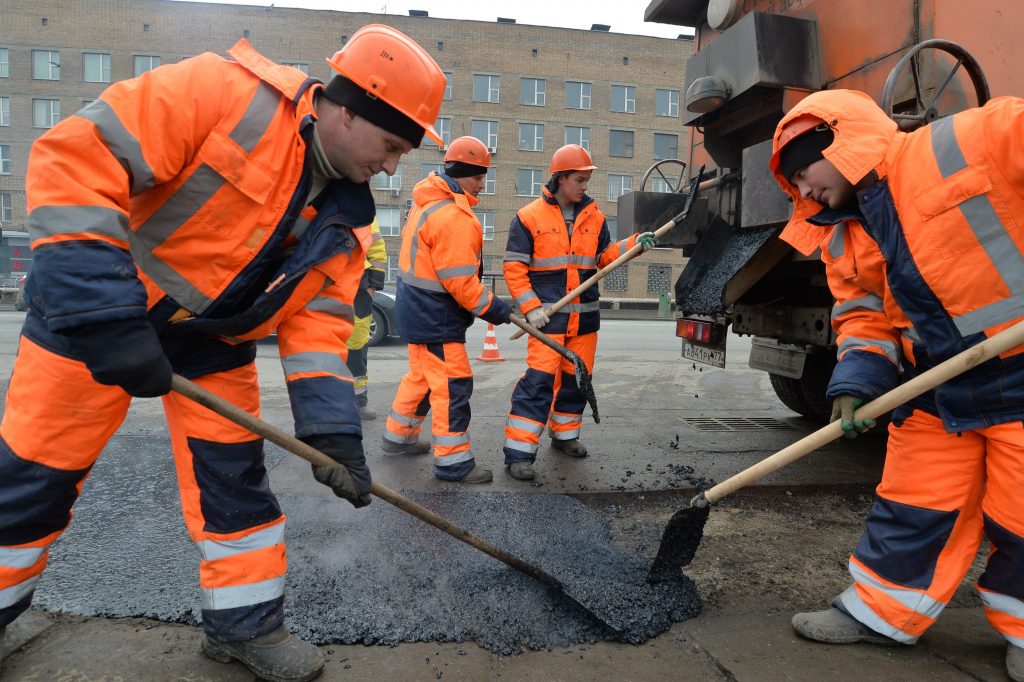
{"x":523,"y":90}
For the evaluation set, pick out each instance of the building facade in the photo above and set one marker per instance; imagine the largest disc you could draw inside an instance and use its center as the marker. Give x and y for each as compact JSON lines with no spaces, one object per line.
{"x":523,"y":90}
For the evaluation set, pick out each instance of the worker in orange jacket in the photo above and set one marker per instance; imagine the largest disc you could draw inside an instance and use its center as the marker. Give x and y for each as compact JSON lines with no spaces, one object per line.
{"x":175,"y":220}
{"x":439,"y":296}
{"x":924,"y":249}
{"x":554,"y":243}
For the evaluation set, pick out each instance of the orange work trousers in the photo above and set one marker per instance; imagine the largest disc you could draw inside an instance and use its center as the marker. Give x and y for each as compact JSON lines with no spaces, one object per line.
{"x":56,"y":423}
{"x":439,"y":380}
{"x":547,"y":394}
{"x":940,"y":494}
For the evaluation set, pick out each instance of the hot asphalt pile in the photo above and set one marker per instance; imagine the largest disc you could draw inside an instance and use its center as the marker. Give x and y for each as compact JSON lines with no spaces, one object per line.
{"x":372,"y":576}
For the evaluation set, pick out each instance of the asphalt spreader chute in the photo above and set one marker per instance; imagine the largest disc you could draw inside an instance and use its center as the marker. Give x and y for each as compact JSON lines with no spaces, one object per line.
{"x":275,"y":435}
{"x":685,"y":528}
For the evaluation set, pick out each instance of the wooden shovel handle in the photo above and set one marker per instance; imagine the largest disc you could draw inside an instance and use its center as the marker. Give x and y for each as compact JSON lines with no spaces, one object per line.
{"x":232,"y":412}
{"x":956,"y":365}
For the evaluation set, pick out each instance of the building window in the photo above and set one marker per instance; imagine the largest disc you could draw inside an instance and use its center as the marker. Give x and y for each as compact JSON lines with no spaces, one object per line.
{"x":448,"y":75}
{"x":96,"y":67}
{"x":660,"y":185}
{"x":6,"y":208}
{"x":490,"y":184}
{"x":429,"y":168}
{"x":532,"y":91}
{"x":390,"y":220}
{"x":658,"y":278}
{"x":486,"y":219}
{"x":617,"y":279}
{"x":666,"y":146}
{"x":580,"y":136}
{"x":619,"y":185}
{"x":624,"y":99}
{"x":620,"y":143}
{"x":485,"y":88}
{"x":486,"y":132}
{"x":531,"y":137}
{"x":45,"y":113}
{"x":5,"y":63}
{"x":145,"y":62}
{"x":392,"y":273}
{"x":577,"y":95}
{"x":443,"y":126}
{"x":666,"y":102}
{"x":389,"y":182}
{"x":5,"y":159}
{"x":46,"y":65}
{"x":528,"y":182}
{"x":613,"y":228}
{"x":5,"y":111}
{"x":304,"y":68}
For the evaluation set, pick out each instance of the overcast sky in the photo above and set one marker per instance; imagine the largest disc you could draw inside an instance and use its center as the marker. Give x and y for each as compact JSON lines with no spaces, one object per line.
{"x":625,"y":16}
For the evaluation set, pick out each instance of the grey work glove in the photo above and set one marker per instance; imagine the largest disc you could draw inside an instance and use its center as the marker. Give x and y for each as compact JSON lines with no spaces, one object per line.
{"x":842,"y":409}
{"x":537,"y":317}
{"x":350,"y":478}
{"x":125,"y":353}
{"x":647,"y":241}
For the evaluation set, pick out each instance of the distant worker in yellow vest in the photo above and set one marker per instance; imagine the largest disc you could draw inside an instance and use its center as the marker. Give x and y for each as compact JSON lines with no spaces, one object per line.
{"x":358,"y":344}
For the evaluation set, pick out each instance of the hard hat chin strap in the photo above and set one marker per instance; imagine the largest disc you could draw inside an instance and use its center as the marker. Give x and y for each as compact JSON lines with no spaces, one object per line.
{"x":344,"y":92}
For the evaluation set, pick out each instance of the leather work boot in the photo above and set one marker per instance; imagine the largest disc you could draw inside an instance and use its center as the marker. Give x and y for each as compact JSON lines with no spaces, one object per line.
{"x":1015,"y":663}
{"x":477,"y":475}
{"x":367,"y":414}
{"x":277,"y":656}
{"x":522,"y":471}
{"x":832,"y":626}
{"x":572,"y":447}
{"x":420,"y":447}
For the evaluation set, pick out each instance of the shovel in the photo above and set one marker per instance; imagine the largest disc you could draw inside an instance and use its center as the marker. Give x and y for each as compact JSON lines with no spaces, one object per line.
{"x":685,"y":529}
{"x":231,"y":412}
{"x":579,"y":367}
{"x":626,"y":257}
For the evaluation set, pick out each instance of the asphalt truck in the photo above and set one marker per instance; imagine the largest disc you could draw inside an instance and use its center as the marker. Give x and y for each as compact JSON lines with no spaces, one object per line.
{"x":753,"y":60}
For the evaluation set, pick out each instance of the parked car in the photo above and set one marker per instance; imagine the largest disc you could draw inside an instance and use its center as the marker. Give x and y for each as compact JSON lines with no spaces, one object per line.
{"x":19,"y":299}
{"x":383,"y":325}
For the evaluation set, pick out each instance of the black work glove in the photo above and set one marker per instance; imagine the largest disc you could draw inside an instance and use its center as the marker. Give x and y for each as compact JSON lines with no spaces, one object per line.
{"x":842,"y":409}
{"x":350,"y":478}
{"x":125,"y":353}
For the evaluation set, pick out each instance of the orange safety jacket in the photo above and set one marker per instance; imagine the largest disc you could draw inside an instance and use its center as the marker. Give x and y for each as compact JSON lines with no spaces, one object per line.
{"x":543,"y":262}
{"x":439,"y":287}
{"x":931,"y":262}
{"x":176,"y":195}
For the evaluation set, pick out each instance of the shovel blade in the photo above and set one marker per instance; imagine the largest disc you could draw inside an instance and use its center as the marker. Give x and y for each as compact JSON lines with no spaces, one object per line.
{"x":679,"y":543}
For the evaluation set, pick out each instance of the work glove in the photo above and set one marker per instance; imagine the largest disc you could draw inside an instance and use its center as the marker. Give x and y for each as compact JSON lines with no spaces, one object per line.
{"x":842,"y":409}
{"x":350,"y":478}
{"x":125,"y":353}
{"x":647,"y":241}
{"x":538,"y":318}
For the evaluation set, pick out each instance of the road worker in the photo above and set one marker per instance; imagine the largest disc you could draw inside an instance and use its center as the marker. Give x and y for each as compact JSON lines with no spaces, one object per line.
{"x":174,"y":220}
{"x":358,"y":344}
{"x":554,"y":243}
{"x":439,"y":296}
{"x":922,"y":241}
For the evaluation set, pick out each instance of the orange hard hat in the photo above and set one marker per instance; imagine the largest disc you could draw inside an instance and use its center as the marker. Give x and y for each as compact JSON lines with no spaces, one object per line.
{"x":392,"y":67}
{"x":468,"y":150}
{"x":571,"y":157}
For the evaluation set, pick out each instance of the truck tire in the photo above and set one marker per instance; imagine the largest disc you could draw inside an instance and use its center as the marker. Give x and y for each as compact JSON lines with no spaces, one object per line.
{"x":806,"y":395}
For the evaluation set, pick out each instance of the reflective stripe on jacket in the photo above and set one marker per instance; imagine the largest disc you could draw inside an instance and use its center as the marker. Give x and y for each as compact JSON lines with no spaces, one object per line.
{"x":179,"y":190}
{"x":945,"y":216}
{"x":439,"y":287}
{"x":543,"y":262}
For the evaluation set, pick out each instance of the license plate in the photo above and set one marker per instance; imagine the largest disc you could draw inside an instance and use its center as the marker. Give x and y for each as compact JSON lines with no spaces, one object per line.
{"x":708,"y":355}
{"x":787,"y":363}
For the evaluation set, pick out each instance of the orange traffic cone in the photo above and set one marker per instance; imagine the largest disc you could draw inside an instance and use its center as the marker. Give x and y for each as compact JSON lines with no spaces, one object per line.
{"x":491,"y":352}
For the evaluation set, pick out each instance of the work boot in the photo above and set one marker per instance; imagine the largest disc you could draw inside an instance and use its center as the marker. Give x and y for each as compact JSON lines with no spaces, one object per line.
{"x":277,"y":656}
{"x":832,"y":626}
{"x":521,"y":470}
{"x":477,"y":475}
{"x":572,"y":447}
{"x":366,"y":413}
{"x":1015,"y":663}
{"x":420,"y":447}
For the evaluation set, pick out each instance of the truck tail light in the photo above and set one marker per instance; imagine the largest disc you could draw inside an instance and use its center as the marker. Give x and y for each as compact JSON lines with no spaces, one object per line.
{"x":694,"y":330}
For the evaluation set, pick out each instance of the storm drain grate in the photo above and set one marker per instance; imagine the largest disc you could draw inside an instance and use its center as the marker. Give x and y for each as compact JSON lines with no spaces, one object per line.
{"x":737,"y":424}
